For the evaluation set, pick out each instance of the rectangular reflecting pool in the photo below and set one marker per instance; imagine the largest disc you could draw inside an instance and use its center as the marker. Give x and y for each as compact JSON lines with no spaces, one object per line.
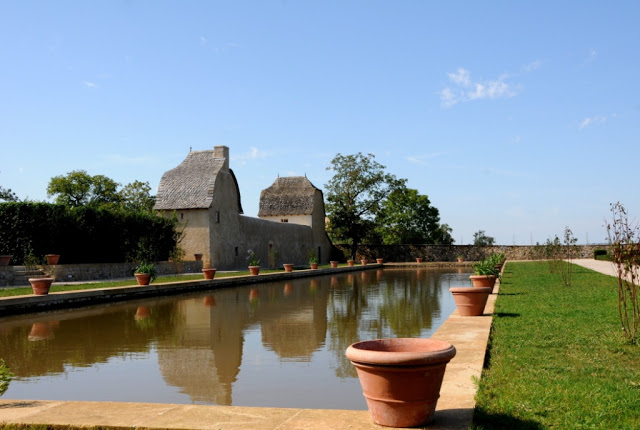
{"x":278,"y":344}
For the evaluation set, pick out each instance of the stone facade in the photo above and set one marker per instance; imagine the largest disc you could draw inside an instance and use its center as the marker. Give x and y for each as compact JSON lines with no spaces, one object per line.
{"x":203,"y":193}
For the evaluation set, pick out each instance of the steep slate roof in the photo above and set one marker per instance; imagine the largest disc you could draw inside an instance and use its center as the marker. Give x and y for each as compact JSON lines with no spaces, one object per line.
{"x":191,"y":184}
{"x":293,"y":195}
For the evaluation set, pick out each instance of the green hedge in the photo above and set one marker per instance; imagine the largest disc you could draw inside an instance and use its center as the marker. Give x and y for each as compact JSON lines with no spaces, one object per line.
{"x":83,"y":235}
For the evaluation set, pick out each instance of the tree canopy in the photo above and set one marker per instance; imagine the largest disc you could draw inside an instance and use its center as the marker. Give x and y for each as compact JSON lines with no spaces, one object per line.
{"x":78,"y":188}
{"x":481,"y":239}
{"x":354,"y":196}
{"x":7,"y":195}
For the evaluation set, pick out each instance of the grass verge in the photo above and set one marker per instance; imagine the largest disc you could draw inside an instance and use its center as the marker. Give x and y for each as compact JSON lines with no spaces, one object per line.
{"x":22,"y":291}
{"x":556,"y":356}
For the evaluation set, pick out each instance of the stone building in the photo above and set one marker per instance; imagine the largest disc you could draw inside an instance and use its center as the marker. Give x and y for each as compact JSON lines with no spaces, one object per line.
{"x":203,"y":193}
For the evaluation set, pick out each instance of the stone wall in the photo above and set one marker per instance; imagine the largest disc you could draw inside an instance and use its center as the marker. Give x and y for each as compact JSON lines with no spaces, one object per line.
{"x":403,"y":253}
{"x":13,"y":275}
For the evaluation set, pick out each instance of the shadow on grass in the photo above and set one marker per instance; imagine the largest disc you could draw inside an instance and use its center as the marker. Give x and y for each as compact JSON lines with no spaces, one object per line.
{"x":506,"y":315}
{"x":487,"y":421}
{"x":512,"y":294}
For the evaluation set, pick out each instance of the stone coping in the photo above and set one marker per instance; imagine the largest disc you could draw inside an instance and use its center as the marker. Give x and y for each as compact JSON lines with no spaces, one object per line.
{"x":454,"y":410}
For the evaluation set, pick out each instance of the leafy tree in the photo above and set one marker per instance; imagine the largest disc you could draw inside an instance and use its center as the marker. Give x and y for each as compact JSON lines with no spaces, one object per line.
{"x":407,"y":217}
{"x":481,"y":239}
{"x":354,"y":196}
{"x":136,"y":196}
{"x":7,"y":195}
{"x":443,"y":235}
{"x":78,"y":188}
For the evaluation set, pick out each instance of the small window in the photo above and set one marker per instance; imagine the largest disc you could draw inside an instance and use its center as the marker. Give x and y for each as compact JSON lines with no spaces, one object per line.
{"x":217,"y":217}
{"x":236,"y":251}
{"x":181,"y":215}
{"x":284,"y":220}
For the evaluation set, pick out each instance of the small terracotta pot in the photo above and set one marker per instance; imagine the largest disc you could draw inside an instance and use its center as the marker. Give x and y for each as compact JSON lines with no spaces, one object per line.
{"x":334,"y":264}
{"x":379,"y":260}
{"x":209,"y":273}
{"x":4,"y":260}
{"x":460,"y":260}
{"x":41,"y":286}
{"x":198,"y":257}
{"x":314,"y":266}
{"x":418,"y":260}
{"x":470,"y":300}
{"x":288,"y":267}
{"x":255,"y":270}
{"x":52,"y":259}
{"x":483,"y":280}
{"x":401,"y":378}
{"x":143,"y":278}
{"x":351,"y":263}
{"x":364,"y":262}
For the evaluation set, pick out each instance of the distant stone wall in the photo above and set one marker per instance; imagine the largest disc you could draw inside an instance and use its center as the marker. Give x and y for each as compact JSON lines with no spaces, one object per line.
{"x":403,"y":253}
{"x":12,"y":275}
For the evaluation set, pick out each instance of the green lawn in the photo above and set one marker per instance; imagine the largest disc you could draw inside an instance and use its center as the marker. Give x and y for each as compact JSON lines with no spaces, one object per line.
{"x":557,"y":358}
{"x":7,"y":292}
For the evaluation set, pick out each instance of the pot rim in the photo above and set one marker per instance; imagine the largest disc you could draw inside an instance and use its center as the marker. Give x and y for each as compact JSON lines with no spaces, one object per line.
{"x":470,"y":290}
{"x":401,"y":351}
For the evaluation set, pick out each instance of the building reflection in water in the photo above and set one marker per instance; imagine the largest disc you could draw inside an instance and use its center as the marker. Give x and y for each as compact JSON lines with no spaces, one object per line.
{"x":200,"y":339}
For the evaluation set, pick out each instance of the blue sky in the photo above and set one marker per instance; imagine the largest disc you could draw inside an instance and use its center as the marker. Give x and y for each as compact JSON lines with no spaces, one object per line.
{"x":517,"y":118}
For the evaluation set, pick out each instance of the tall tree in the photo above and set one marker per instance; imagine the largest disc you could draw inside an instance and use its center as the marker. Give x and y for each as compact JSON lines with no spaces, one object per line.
{"x":7,"y":195}
{"x":136,"y":196}
{"x":354,"y":195}
{"x":481,"y":239}
{"x":407,"y":217}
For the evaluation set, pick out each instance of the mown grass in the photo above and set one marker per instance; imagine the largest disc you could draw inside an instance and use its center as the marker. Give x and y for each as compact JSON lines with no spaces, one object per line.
{"x":556,"y":357}
{"x":20,"y":291}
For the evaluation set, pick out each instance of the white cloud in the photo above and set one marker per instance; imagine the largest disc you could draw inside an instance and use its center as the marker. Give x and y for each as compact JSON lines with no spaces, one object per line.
{"x":592,"y":121}
{"x":90,"y":84}
{"x":534,"y":65}
{"x":203,"y":40}
{"x":253,"y":154}
{"x":423,"y":159}
{"x":465,"y":89}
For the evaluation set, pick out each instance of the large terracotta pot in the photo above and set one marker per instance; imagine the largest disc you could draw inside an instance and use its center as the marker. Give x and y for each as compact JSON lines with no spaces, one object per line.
{"x":470,"y":300}
{"x":255,"y":270}
{"x":418,"y":260}
{"x":4,"y":260}
{"x":288,"y":267}
{"x":198,"y":257}
{"x":351,"y":263}
{"x":483,"y":280}
{"x":209,"y":273}
{"x":314,"y":266}
{"x":401,"y":378}
{"x":364,"y":262}
{"x":143,"y":278}
{"x":334,"y":264}
{"x":41,"y":286}
{"x":379,"y":260}
{"x":52,"y":259}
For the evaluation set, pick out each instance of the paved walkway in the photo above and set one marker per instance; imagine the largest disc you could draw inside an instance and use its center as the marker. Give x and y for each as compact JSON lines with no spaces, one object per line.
{"x":454,"y":411}
{"x":605,"y":267}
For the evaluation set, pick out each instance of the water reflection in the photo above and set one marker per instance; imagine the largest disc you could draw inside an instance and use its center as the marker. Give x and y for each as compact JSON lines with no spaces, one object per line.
{"x":226,"y":347}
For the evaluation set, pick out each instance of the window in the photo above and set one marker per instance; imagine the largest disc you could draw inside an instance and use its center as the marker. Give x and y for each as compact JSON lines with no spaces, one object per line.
{"x":284,"y":220}
{"x":236,"y":251}
{"x":217,"y":217}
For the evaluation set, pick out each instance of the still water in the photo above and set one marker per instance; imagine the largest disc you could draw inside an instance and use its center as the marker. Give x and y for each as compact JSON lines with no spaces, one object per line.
{"x":279,"y":344}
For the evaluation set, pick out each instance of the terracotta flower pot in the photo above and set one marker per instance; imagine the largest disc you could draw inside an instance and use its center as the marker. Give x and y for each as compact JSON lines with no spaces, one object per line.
{"x":483,"y":280}
{"x":314,"y":266}
{"x":143,"y":278}
{"x":401,"y":378}
{"x":460,"y":260}
{"x":364,"y":262}
{"x":288,"y":288}
{"x":41,"y":286}
{"x":470,"y":300}
{"x":254,"y":294}
{"x":288,"y":267}
{"x":4,"y":260}
{"x":198,"y":257}
{"x":142,"y":313}
{"x":351,"y":263}
{"x":255,"y":270}
{"x":334,"y":264}
{"x":209,"y":273}
{"x":40,"y":331}
{"x":379,"y":260}
{"x":52,"y":259}
{"x":418,"y":260}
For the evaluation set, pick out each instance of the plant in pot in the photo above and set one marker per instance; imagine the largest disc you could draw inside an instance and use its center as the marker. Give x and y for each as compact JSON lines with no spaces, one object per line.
{"x":460,"y":258}
{"x":313,"y":259}
{"x":497,"y":259}
{"x":484,"y":274}
{"x":334,"y":263}
{"x":380,"y":260}
{"x":209,"y":273}
{"x":401,"y":378}
{"x":288,"y":267}
{"x":253,"y":262}
{"x":145,"y":273}
{"x":4,"y":259}
{"x":40,"y":279}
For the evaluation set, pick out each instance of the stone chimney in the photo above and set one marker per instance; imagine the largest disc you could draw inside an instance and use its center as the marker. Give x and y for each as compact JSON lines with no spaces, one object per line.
{"x":222,"y":152}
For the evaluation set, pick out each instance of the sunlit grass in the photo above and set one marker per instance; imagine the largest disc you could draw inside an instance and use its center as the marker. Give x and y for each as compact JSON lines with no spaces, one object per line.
{"x":557,"y":357}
